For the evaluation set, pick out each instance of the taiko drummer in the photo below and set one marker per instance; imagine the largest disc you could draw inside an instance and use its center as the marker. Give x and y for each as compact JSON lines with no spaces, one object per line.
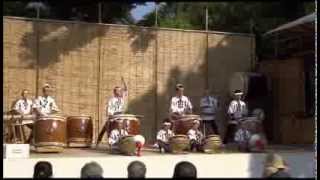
{"x":116,"y":105}
{"x":46,"y":105}
{"x":180,"y":104}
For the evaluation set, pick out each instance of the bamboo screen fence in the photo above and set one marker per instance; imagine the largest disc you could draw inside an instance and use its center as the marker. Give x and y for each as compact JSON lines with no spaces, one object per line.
{"x":85,"y":61}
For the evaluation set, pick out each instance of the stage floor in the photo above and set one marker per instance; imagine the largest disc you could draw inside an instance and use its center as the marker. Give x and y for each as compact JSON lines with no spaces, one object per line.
{"x":228,"y":164}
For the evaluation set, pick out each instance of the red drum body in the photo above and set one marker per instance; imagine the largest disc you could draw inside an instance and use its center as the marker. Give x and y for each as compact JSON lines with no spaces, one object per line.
{"x":50,"y":134}
{"x":182,"y":125}
{"x":79,"y":131}
{"x":130,"y":122}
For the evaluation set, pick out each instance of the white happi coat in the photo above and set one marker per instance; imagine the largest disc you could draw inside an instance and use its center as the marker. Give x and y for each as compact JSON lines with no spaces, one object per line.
{"x":195,"y":135}
{"x":25,"y":107}
{"x":115,"y":137}
{"x":180,"y":105}
{"x":116,"y":105}
{"x":238,"y":109}
{"x":46,"y":105}
{"x":164,"y":135}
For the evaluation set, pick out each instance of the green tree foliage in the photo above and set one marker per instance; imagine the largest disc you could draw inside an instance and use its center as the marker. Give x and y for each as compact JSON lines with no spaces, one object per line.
{"x":242,"y":17}
{"x":84,"y":10}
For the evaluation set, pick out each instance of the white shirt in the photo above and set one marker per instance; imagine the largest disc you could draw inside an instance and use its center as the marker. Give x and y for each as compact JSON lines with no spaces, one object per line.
{"x":209,"y":106}
{"x":116,"y":135}
{"x":46,"y":105}
{"x":238,"y":109}
{"x":116,"y":104}
{"x":195,"y":135}
{"x":242,"y":135}
{"x":25,"y":107}
{"x":180,"y":105}
{"x":164,"y":135}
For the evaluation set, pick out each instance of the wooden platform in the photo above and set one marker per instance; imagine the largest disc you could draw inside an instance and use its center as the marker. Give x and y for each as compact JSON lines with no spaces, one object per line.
{"x":227,"y":164}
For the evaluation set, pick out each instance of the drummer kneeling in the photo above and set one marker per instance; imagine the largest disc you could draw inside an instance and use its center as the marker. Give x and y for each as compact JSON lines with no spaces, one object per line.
{"x":163,"y":137}
{"x":196,"y":137}
{"x":120,"y":133}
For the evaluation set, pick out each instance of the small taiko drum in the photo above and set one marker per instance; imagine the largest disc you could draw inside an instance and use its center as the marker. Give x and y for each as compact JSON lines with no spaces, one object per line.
{"x":127,"y":145}
{"x":179,"y":144}
{"x":50,"y":134}
{"x":183,"y":124}
{"x":79,"y":131}
{"x":130,"y":122}
{"x":212,"y":144}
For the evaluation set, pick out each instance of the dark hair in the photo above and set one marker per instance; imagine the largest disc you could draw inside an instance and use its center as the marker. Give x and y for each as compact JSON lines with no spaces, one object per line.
{"x":43,"y":169}
{"x":91,"y":170}
{"x":136,"y":169}
{"x":185,"y":169}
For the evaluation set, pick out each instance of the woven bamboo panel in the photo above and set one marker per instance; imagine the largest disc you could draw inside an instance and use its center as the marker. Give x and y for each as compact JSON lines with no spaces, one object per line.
{"x":129,"y":53}
{"x":226,"y":55}
{"x":68,"y":60}
{"x":19,"y":47}
{"x":181,"y":59}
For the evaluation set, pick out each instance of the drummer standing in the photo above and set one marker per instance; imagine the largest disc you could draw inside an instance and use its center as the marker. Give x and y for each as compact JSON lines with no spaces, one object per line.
{"x":45,"y":104}
{"x":24,"y":106}
{"x":116,"y":105}
{"x":180,"y":104}
{"x":209,"y":107}
{"x":237,"y":111}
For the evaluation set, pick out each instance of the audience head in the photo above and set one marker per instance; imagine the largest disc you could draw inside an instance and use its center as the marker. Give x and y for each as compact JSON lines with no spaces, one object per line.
{"x":185,"y":169}
{"x":92,"y":170}
{"x":137,"y":169}
{"x":43,"y":169}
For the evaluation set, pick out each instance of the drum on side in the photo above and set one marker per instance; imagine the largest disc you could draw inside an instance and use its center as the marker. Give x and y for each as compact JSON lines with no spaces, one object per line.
{"x":212,"y":144}
{"x":79,"y":131}
{"x":127,"y":145}
{"x":131,"y":123}
{"x":179,"y":144}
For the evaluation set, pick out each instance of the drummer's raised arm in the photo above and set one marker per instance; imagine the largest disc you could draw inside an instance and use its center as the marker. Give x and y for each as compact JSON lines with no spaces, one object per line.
{"x":125,"y":88}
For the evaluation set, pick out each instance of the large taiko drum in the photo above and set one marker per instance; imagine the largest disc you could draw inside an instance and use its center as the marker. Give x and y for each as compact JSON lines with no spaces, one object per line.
{"x":130,"y":122}
{"x":179,"y":144}
{"x":79,"y":131}
{"x":183,"y":124}
{"x":212,"y":144}
{"x":50,"y":134}
{"x":127,"y":145}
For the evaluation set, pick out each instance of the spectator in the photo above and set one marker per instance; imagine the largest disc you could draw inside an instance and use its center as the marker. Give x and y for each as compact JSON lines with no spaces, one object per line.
{"x":185,"y":169}
{"x":43,"y":169}
{"x":275,"y":167}
{"x":137,"y":169}
{"x":92,"y":170}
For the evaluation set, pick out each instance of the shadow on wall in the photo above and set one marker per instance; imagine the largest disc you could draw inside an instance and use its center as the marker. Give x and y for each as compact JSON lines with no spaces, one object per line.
{"x":61,"y":38}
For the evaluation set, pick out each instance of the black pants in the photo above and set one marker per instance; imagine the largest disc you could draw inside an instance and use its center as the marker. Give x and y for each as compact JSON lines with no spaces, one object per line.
{"x":164,"y":145}
{"x":231,"y":130}
{"x":195,"y":145}
{"x":211,"y":127}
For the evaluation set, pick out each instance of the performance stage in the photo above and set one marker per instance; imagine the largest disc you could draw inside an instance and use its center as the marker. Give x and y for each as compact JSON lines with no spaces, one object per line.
{"x":301,"y":160}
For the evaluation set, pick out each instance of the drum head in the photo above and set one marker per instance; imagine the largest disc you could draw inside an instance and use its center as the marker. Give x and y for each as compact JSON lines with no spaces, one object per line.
{"x":52,"y":117}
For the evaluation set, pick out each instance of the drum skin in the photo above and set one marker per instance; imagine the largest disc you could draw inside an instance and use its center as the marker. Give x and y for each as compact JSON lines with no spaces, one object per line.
{"x":179,"y":143}
{"x":212,"y":144}
{"x":127,"y":145}
{"x":182,"y":125}
{"x":79,"y":131}
{"x":50,"y":133}
{"x":131,"y":123}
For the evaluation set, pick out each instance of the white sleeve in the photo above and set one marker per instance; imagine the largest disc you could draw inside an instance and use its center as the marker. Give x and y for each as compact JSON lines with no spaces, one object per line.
{"x":17,"y":106}
{"x":231,"y":108}
{"x":189,"y":104}
{"x":36,"y":103}
{"x":112,"y":138}
{"x":190,"y":135}
{"x":54,"y":105}
{"x":110,"y":108}
{"x":172,"y":106}
{"x":159,"y":136}
{"x":237,"y":136}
